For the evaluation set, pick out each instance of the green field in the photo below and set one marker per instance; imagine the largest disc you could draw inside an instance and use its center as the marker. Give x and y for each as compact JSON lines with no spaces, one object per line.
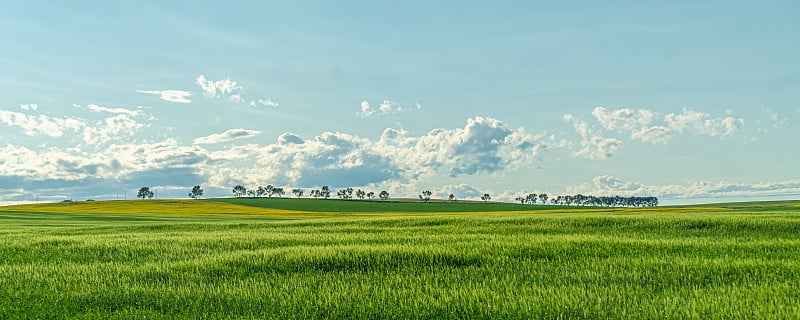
{"x":281,"y":258}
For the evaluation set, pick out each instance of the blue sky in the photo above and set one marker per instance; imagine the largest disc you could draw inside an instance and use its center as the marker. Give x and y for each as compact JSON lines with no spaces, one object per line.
{"x":682,"y":100}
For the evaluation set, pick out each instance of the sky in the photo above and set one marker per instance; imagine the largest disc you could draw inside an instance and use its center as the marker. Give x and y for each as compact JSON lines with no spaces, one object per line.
{"x":684,"y":100}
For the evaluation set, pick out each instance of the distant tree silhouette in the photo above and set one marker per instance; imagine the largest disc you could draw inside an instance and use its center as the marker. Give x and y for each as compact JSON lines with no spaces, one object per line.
{"x":360,"y":194}
{"x":371,"y":195}
{"x":543,"y":197}
{"x":297,"y":192}
{"x":425,"y":196}
{"x":145,"y":192}
{"x":325,"y":193}
{"x":486,"y":197}
{"x":384,"y":195}
{"x":452,"y":198}
{"x":197,"y":192}
{"x":239,"y":191}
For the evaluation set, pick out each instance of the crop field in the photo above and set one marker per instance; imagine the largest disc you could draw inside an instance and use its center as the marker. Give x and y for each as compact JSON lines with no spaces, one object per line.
{"x":305,"y":259}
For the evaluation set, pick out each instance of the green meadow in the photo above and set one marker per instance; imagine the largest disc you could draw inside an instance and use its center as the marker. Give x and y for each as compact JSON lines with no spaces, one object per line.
{"x":306,"y":259}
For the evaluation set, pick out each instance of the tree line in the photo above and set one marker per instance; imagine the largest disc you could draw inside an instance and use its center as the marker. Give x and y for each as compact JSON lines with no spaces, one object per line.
{"x":583,"y":200}
{"x":348,"y":193}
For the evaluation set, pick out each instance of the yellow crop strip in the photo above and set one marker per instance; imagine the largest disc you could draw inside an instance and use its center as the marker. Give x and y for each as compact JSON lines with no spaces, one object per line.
{"x":201,"y":207}
{"x":172,"y":207}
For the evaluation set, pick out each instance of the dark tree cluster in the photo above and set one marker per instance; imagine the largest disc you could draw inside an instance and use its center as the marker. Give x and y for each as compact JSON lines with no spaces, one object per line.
{"x":582,"y":200}
{"x":269,"y":190}
{"x":145,"y":192}
{"x":324,"y":193}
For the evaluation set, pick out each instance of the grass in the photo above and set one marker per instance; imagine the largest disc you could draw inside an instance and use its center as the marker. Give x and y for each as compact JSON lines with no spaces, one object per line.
{"x":376,"y":206}
{"x":736,"y":261}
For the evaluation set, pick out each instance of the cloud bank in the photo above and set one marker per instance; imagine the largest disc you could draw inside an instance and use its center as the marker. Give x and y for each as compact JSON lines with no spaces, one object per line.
{"x":609,"y":186}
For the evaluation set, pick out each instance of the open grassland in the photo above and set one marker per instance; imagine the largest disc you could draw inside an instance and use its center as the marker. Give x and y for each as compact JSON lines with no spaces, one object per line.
{"x":737,"y":261}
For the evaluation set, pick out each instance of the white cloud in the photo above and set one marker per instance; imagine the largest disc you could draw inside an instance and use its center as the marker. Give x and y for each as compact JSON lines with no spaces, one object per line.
{"x":29,"y":107}
{"x":229,"y":135}
{"x":484,"y":145}
{"x":639,"y":124}
{"x":97,"y":108}
{"x":219,"y":88}
{"x":35,"y":125}
{"x":611,"y":186}
{"x":623,"y":119}
{"x":635,"y":122}
{"x":593,"y":145}
{"x":264,"y":102}
{"x":231,"y":89}
{"x":385,"y":108}
{"x":702,"y":124}
{"x":460,"y":191}
{"x":121,"y":125}
{"x":110,"y":128}
{"x":366,"y":110}
{"x":176,"y":96}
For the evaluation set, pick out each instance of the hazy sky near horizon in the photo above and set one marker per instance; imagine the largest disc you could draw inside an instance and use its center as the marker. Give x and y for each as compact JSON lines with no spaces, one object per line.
{"x":682,"y":100}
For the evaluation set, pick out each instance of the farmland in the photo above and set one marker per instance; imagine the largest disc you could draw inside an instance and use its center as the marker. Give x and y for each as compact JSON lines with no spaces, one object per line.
{"x":290,"y":258}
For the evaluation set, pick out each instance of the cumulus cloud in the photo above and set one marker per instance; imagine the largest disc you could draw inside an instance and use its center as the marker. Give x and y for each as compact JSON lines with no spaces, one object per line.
{"x":114,"y":162}
{"x":111,"y":128}
{"x":29,"y":107}
{"x":366,"y":110}
{"x":641,"y":124}
{"x":229,"y":135}
{"x":635,"y":122}
{"x":231,"y":89}
{"x":397,"y":161}
{"x":97,"y":133}
{"x":219,"y":88}
{"x":176,"y":96}
{"x":385,"y":108}
{"x":609,"y":186}
{"x":702,"y":124}
{"x":484,"y":145}
{"x":593,"y":145}
{"x":42,"y":124}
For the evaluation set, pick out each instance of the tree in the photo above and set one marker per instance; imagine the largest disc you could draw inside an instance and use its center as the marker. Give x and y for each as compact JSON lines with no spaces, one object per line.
{"x":361,"y":194}
{"x":325,"y":193}
{"x":452,"y":198}
{"x":521,"y":199}
{"x":384,"y":195}
{"x":276,"y":191}
{"x":543,"y":197}
{"x":316,"y":193}
{"x":145,"y":192}
{"x":239,"y":191}
{"x":486,"y":197}
{"x":251,"y":193}
{"x":268,"y":190}
{"x":371,"y":195}
{"x":530,"y":198}
{"x":297,"y":192}
{"x":425,"y":196}
{"x":261,"y":191}
{"x":196,"y":193}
